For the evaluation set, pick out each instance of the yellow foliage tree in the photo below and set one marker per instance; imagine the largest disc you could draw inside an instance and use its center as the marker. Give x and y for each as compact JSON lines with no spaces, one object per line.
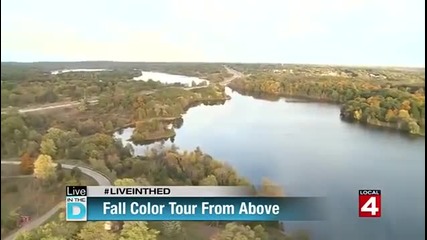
{"x":44,"y":168}
{"x":404,"y":114}
{"x":406,"y":105}
{"x":125,"y":182}
{"x":390,"y":115}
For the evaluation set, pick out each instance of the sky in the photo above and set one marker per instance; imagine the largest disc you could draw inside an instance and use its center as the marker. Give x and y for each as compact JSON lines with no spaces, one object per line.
{"x":339,"y":32}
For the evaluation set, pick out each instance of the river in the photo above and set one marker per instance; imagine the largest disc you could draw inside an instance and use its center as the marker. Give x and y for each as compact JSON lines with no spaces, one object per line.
{"x":307,"y":148}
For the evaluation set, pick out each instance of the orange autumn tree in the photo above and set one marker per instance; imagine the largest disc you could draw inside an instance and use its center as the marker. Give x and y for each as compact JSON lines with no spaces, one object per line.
{"x":27,"y":164}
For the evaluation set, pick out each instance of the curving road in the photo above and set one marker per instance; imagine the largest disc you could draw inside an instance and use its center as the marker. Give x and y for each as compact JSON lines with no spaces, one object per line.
{"x":99,"y":178}
{"x":236,"y":74}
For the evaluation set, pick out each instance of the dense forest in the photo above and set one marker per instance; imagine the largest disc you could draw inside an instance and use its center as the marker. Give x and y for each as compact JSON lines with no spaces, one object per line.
{"x":11,"y":71}
{"x":82,"y":135}
{"x":122,"y":106}
{"x":379,"y":103}
{"x":160,"y":166}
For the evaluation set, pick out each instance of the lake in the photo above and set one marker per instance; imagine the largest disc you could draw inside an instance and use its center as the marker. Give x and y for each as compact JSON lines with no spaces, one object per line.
{"x":168,"y":78}
{"x":78,"y":70}
{"x":307,"y":148}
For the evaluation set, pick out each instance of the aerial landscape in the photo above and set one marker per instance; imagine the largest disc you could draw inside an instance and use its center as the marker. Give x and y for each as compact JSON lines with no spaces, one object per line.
{"x":145,"y":118}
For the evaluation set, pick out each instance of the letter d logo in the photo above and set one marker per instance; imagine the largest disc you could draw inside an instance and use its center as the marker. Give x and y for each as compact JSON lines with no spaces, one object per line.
{"x":76,"y":211}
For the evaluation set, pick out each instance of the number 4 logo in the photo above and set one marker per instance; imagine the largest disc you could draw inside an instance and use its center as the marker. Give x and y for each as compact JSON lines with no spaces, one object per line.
{"x":371,"y":206}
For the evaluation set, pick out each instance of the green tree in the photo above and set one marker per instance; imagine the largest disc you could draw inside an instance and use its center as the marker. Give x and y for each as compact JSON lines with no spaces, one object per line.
{"x":10,"y":220}
{"x":138,"y":231}
{"x":109,"y":126}
{"x":415,"y":112}
{"x":235,"y":231}
{"x":26,"y":236}
{"x":76,"y":173}
{"x":48,"y":147}
{"x":44,"y":168}
{"x":171,"y":228}
{"x":56,"y":230}
{"x":209,"y":181}
{"x":260,"y":232}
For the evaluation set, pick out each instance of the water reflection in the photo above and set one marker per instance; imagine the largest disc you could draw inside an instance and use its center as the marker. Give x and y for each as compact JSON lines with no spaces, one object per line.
{"x":308,"y":149}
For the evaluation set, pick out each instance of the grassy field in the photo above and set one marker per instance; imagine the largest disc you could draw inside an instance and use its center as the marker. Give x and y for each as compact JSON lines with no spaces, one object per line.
{"x":24,"y":196}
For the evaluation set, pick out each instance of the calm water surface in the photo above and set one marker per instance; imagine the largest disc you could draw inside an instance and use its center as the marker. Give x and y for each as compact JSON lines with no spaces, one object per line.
{"x":310,"y":151}
{"x":168,"y":78}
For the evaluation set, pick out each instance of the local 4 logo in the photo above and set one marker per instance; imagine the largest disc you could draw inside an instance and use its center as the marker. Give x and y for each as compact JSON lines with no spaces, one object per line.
{"x":76,"y":203}
{"x":370,"y":203}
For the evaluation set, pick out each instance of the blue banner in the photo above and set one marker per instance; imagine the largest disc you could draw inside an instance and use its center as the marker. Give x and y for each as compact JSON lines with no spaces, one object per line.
{"x":204,"y":209}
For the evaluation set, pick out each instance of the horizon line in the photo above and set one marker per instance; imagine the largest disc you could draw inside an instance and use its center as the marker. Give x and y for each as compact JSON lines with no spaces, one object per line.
{"x":232,"y":62}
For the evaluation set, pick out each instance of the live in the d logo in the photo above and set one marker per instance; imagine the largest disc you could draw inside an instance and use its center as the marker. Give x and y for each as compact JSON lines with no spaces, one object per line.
{"x":370,"y":203}
{"x":76,"y":203}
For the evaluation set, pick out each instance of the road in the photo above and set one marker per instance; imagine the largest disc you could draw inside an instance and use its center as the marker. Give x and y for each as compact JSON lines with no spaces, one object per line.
{"x":70,"y":104}
{"x":18,"y":176}
{"x":235,"y":73}
{"x":99,"y":178}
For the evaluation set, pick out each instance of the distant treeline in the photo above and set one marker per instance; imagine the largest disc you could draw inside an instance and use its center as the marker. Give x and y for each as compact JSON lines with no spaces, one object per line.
{"x":374,"y":103}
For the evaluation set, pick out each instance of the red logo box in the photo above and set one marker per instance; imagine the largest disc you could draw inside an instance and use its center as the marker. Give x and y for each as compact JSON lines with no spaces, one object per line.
{"x":370,"y":203}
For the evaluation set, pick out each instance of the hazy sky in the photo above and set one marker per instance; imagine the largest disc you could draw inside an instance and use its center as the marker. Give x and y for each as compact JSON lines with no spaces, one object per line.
{"x":357,"y":32}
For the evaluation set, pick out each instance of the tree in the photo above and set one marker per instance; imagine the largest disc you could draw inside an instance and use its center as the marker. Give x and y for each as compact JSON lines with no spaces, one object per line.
{"x":25,"y":236}
{"x":415,"y":112}
{"x":27,"y":164}
{"x":260,"y":232}
{"x":390,"y":115}
{"x":234,"y":231}
{"x":137,"y":231}
{"x":109,"y":126}
{"x":125,"y":182}
{"x":171,"y":228}
{"x":48,"y":147}
{"x":44,"y":167}
{"x":404,"y":114}
{"x":141,"y":181}
{"x":95,"y":230}
{"x":10,"y":220}
{"x":209,"y":181}
{"x":55,"y":230}
{"x":76,"y":173}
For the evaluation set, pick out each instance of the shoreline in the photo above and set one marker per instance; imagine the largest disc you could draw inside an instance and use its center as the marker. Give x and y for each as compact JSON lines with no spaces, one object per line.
{"x":165,"y":135}
{"x":305,"y":99}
